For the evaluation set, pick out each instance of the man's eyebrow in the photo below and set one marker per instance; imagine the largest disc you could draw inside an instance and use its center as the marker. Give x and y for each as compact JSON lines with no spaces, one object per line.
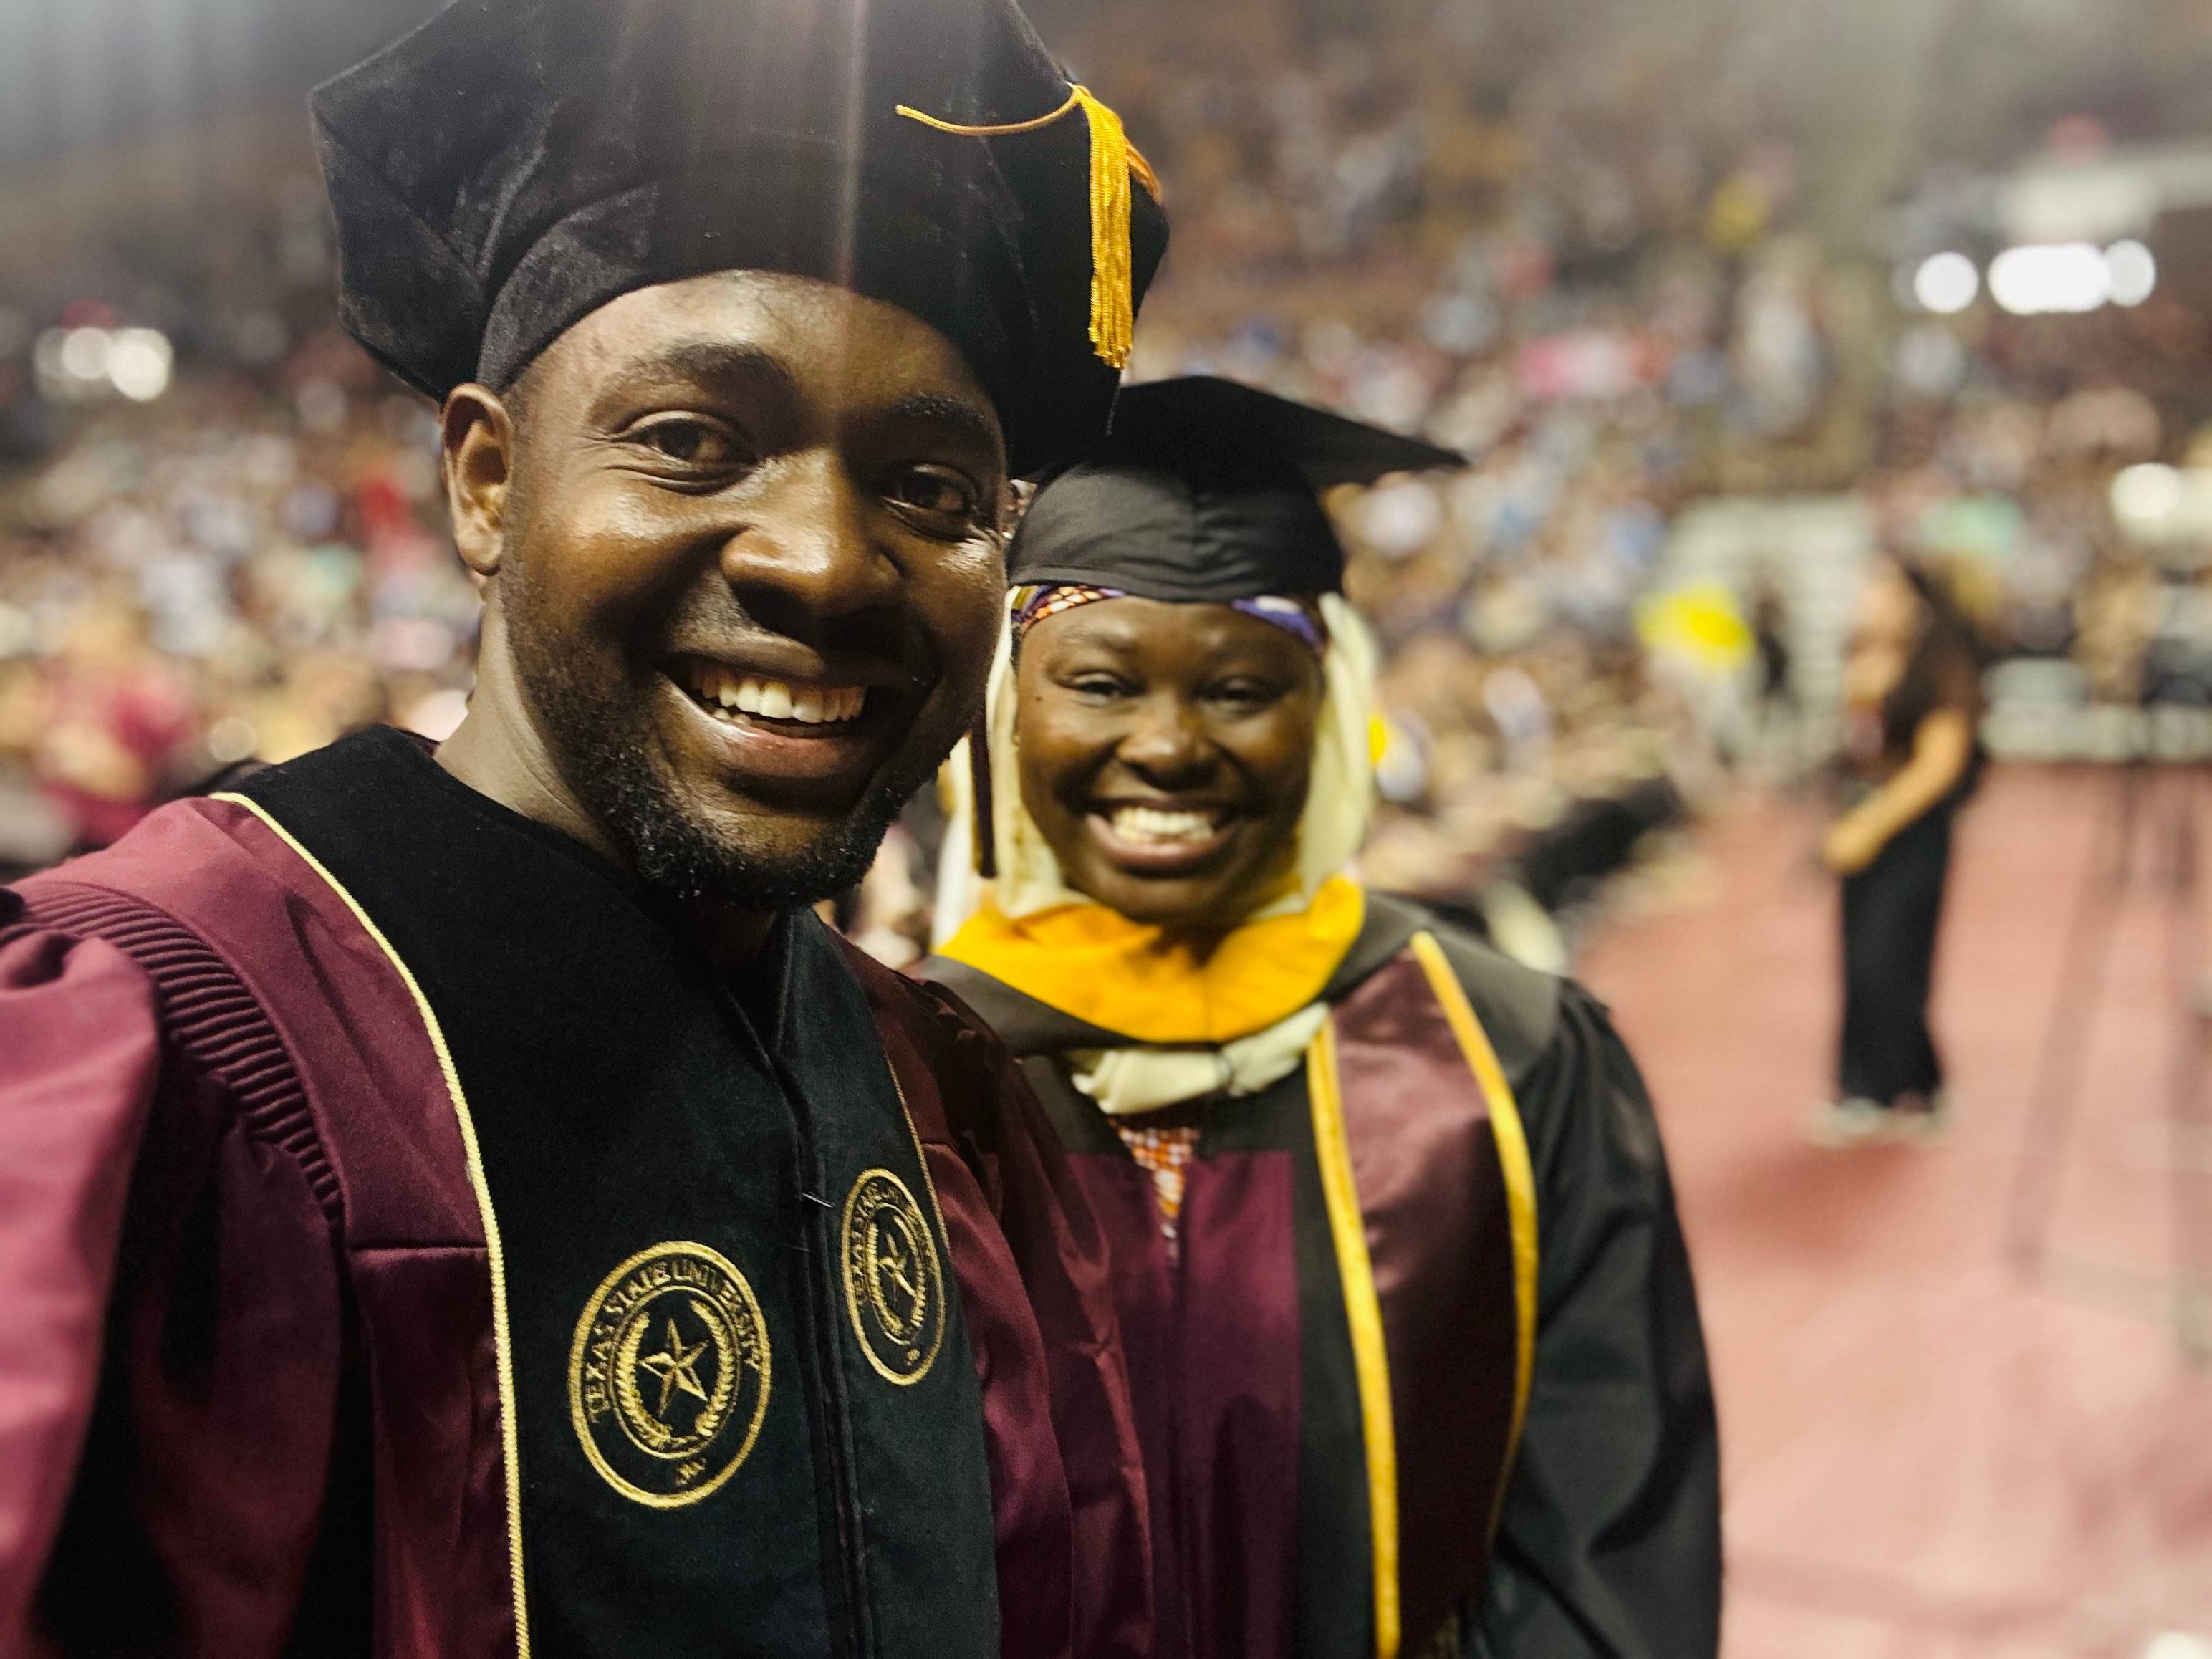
{"x":934,"y":408}
{"x":714,"y":362}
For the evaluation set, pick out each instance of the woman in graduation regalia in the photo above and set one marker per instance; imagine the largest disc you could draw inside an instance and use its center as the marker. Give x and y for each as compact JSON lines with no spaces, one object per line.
{"x":1412,"y":1334}
{"x":462,"y":1204}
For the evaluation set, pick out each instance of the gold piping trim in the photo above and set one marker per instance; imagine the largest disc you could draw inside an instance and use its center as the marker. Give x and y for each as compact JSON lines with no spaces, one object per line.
{"x":920,"y":1155}
{"x":1114,"y":161}
{"x":1145,"y":174}
{"x":1520,"y":1177}
{"x":495,"y":1258}
{"x":1002,"y":129}
{"x":1363,"y":1313}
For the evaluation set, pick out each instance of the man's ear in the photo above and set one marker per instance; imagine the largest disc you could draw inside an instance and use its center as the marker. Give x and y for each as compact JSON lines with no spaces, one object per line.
{"x":475,"y":432}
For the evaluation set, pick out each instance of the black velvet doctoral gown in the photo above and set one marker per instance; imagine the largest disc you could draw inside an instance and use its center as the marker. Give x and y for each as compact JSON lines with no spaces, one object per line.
{"x":408,"y":1245}
{"x":1259,"y":1424}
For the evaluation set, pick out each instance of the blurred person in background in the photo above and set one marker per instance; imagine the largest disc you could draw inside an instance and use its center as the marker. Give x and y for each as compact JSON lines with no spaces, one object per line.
{"x":1912,"y":707}
{"x":454,"y":1200}
{"x":113,"y":718}
{"x":1412,"y":1337}
{"x":1780,"y":718}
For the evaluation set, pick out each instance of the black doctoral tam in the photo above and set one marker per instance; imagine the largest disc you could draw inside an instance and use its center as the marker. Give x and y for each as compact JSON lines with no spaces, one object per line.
{"x":512,"y":165}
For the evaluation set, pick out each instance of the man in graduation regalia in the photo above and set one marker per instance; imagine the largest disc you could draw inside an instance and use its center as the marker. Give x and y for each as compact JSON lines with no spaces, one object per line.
{"x":461,"y":1203}
{"x":1411,"y":1330}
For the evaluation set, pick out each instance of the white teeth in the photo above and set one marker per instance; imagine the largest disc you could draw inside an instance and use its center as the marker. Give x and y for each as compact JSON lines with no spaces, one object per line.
{"x":1150,"y":824}
{"x":724,"y":690}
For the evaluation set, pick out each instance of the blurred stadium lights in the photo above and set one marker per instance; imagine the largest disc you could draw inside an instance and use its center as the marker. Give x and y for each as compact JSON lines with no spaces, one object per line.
{"x":2059,"y":277}
{"x":2132,"y":272}
{"x":2147,"y":494}
{"x":2164,"y":507}
{"x":1946,"y":282}
{"x":138,"y":363}
{"x":2052,"y":214}
{"x":86,"y":363}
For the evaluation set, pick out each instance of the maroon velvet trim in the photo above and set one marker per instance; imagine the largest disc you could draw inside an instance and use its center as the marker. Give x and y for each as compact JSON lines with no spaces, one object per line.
{"x":1120,"y":1197}
{"x":439,"y":1474}
{"x":1212,"y":1338}
{"x":1239,"y":1494}
{"x":1067,"y":1474}
{"x":373,"y":1089}
{"x":208,"y":1016}
{"x":80,"y":1061}
{"x":1425,"y":1161}
{"x":299,"y":1031}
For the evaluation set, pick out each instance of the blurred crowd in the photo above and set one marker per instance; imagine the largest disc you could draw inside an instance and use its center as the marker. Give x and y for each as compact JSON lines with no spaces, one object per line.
{"x":1619,"y":296}
{"x":241,"y":567}
{"x":1613,"y":297}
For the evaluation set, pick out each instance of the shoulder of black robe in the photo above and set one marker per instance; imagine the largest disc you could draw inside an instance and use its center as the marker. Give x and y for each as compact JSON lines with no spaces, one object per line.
{"x":1609,"y":1546}
{"x":1610,"y":1541}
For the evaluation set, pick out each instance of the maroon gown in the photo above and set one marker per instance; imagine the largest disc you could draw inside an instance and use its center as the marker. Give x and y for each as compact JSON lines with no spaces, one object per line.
{"x":326,"y":1110}
{"x":1417,"y":1366}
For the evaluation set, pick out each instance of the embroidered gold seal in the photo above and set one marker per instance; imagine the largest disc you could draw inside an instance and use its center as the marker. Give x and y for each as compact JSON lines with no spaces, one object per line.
{"x":893,"y":1287}
{"x":668,"y":1376}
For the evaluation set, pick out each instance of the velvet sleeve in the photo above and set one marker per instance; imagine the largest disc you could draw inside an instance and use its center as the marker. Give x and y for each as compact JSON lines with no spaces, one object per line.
{"x":80,"y":1054}
{"x":1610,"y":1540}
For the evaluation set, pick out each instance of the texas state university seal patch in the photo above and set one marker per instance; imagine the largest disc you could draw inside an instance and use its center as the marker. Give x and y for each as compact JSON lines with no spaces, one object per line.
{"x":668,"y":1377}
{"x":894,"y":1285}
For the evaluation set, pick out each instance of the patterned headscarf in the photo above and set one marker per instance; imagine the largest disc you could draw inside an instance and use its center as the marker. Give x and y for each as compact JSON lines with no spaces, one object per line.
{"x":1031,"y":605}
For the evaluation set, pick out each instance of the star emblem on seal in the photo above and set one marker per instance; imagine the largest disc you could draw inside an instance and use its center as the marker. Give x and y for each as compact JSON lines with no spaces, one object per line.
{"x":894,"y":1279}
{"x":669,"y":1375}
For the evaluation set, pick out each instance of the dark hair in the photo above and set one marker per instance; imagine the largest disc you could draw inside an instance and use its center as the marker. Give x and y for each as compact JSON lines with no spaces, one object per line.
{"x":1944,"y":670}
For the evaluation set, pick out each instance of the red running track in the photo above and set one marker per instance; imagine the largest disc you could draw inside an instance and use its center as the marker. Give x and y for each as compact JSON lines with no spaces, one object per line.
{"x":1929,"y":1452}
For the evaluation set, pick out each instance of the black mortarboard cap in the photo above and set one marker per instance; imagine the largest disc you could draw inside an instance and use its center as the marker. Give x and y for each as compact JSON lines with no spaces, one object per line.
{"x":512,"y":165}
{"x":1207,"y":490}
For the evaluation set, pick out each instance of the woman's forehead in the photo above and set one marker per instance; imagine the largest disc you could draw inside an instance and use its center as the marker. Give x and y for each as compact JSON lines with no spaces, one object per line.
{"x":1133,"y":624}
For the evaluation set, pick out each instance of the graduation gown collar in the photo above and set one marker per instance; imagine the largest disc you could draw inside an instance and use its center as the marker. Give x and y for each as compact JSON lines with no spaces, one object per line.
{"x":1519,"y":1007}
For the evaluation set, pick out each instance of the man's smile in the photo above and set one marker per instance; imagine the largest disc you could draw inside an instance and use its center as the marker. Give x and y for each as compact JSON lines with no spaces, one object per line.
{"x":752,"y":727}
{"x":726,"y":692}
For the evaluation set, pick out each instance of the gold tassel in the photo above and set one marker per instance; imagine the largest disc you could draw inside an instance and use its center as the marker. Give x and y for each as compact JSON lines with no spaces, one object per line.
{"x":1114,"y":158}
{"x":1113,"y":301}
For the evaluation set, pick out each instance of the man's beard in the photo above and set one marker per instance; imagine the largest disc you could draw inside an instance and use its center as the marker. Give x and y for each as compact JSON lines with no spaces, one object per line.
{"x":605,"y":751}
{"x":676,"y":854}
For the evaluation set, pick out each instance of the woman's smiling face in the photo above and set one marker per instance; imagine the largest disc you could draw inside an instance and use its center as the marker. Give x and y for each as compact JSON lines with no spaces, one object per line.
{"x":1165,"y":752}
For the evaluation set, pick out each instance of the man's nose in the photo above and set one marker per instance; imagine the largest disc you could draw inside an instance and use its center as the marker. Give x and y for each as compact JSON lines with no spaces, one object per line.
{"x":810,"y":547}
